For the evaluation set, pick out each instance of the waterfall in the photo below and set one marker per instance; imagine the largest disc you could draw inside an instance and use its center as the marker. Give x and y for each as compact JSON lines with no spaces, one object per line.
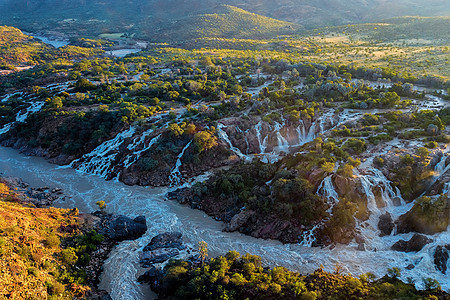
{"x":305,"y":135}
{"x":262,"y":142}
{"x":327,"y":190}
{"x":7,"y":97}
{"x":441,"y":167}
{"x":35,"y":107}
{"x":224,"y":136}
{"x":244,"y":133}
{"x":308,"y":237}
{"x":21,"y":117}
{"x":175,"y":174}
{"x":101,"y":159}
{"x":134,"y":157}
{"x":446,"y":189}
{"x":283,"y":144}
{"x":369,"y":229}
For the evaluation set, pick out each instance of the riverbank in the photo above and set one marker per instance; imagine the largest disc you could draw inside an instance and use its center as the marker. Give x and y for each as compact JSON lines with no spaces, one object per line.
{"x":98,"y":233}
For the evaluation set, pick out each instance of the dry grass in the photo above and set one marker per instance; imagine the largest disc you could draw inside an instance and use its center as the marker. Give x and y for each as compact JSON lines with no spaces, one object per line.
{"x":29,"y":250}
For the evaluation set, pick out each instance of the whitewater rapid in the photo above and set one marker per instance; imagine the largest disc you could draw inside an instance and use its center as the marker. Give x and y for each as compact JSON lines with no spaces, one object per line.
{"x":122,"y":269}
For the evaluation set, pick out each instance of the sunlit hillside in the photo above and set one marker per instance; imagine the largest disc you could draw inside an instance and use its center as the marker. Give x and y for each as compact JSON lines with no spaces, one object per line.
{"x":225,"y":22}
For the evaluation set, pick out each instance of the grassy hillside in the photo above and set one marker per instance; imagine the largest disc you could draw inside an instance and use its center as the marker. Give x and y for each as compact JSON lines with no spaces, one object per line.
{"x":32,"y":260}
{"x":408,"y":30}
{"x":18,"y":49}
{"x":131,"y":16}
{"x":225,"y":22}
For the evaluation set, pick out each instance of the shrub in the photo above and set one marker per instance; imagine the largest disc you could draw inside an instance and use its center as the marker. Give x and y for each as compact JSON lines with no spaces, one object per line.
{"x":175,"y":129}
{"x":346,"y":170}
{"x":356,"y":146}
{"x":52,"y":241}
{"x":205,"y":140}
{"x":431,"y":145}
{"x":68,"y":256}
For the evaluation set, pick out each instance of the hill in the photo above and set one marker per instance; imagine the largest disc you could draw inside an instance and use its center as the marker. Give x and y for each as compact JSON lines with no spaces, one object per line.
{"x":222,"y":22}
{"x":411,"y":30}
{"x":34,"y":264}
{"x":18,"y":49}
{"x":133,"y":16}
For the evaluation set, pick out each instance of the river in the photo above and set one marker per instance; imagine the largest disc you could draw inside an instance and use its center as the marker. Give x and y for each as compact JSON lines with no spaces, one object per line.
{"x":122,"y":269}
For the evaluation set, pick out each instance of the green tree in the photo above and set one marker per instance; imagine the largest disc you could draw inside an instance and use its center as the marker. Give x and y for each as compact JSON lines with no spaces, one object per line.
{"x":175,"y":130}
{"x":203,"y":251}
{"x":205,"y":140}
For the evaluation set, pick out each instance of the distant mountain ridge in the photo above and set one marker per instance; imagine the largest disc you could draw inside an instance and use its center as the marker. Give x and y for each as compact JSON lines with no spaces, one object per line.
{"x":133,"y":15}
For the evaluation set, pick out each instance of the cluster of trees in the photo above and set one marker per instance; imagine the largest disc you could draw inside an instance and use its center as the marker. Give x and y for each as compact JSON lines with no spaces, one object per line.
{"x":233,"y":276}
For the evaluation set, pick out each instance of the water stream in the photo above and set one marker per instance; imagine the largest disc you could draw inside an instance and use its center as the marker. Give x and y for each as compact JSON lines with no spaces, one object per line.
{"x":120,"y":270}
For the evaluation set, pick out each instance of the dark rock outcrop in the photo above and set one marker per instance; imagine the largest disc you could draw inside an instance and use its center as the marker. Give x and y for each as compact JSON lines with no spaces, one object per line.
{"x":150,"y":275}
{"x":161,"y":248}
{"x":166,"y":240}
{"x":120,"y":228}
{"x":239,"y":220}
{"x":385,"y":224}
{"x":441,"y":256}
{"x":157,"y":256}
{"x":416,"y":243}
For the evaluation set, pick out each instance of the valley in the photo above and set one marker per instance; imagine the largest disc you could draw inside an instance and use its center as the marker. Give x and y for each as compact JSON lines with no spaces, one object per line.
{"x":318,"y":150}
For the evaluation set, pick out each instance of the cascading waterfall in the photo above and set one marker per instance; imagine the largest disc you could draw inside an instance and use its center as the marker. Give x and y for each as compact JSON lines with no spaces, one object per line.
{"x":328,"y":116}
{"x":326,"y":189}
{"x":120,"y":269}
{"x":35,"y":107}
{"x":134,"y":157}
{"x":441,"y":167}
{"x":224,"y":136}
{"x":195,"y":226}
{"x":175,"y":175}
{"x":446,"y":189}
{"x":369,"y":229}
{"x":7,"y":97}
{"x":21,"y":117}
{"x":244,"y":133}
{"x":101,"y":159}
{"x":283,"y":144}
{"x":262,"y":142}
{"x":305,"y":135}
{"x":308,"y":236}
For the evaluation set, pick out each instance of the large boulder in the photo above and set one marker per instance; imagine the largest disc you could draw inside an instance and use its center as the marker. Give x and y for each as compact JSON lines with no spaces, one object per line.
{"x":182,"y":196}
{"x":441,"y":255}
{"x":416,"y":243}
{"x":150,"y":275}
{"x":385,"y":224}
{"x":166,"y":240}
{"x":161,"y":248}
{"x":157,"y":256}
{"x":120,"y":228}
{"x":239,"y":220}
